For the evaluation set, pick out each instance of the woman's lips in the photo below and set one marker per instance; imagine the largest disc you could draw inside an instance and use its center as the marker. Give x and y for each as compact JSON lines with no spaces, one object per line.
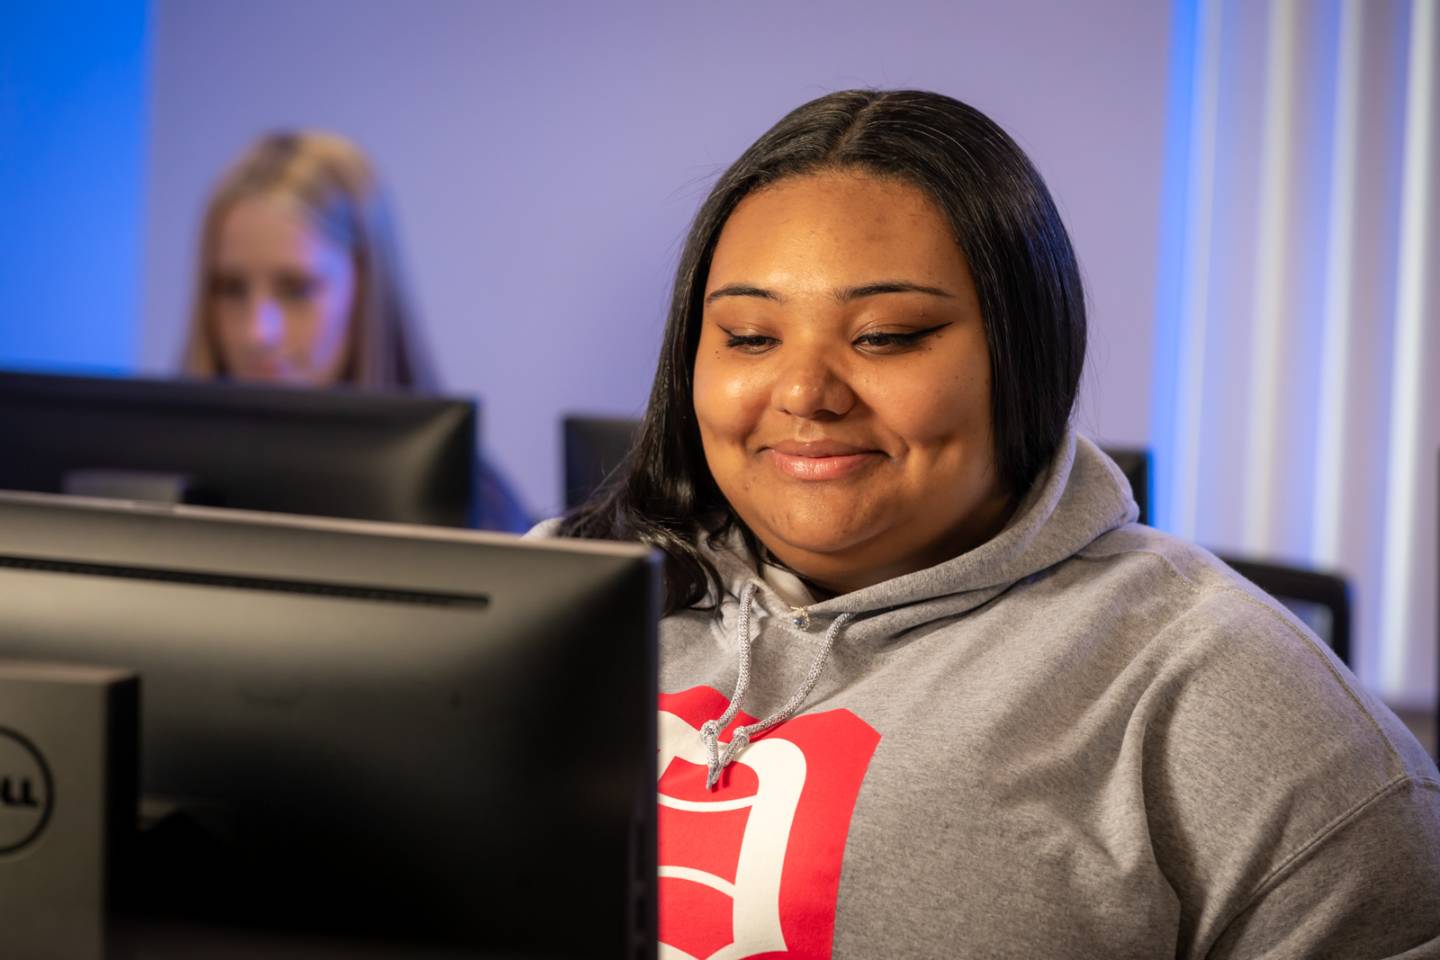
{"x":262,"y":367}
{"x":821,"y":460}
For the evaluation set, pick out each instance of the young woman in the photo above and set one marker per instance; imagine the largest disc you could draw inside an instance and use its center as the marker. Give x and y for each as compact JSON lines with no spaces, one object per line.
{"x":928,"y":690}
{"x":300,"y":283}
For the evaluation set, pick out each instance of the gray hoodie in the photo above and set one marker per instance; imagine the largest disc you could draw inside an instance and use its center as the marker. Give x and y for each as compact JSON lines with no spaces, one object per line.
{"x":1083,"y":738}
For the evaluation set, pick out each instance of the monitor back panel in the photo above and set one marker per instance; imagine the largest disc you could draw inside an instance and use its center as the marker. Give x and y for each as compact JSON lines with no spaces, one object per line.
{"x":594,"y":447}
{"x":432,"y":736}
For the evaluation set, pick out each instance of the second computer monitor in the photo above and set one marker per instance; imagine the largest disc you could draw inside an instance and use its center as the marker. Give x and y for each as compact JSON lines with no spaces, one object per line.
{"x":338,"y":453}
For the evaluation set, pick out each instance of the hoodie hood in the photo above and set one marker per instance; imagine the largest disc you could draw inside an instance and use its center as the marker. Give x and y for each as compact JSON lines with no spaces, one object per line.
{"x":1081,"y":496}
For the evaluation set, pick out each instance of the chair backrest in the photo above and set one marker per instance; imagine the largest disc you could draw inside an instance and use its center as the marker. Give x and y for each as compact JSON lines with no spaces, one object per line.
{"x":1319,"y":598}
{"x":1135,"y":463}
{"x":593,"y":448}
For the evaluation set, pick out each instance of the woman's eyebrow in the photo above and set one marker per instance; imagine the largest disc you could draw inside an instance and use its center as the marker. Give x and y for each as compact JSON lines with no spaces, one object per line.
{"x":844,"y":295}
{"x":742,"y":290}
{"x":848,"y":294}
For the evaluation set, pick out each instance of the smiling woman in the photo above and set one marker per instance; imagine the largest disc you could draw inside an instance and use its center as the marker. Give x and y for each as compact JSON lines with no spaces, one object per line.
{"x":927,"y":688}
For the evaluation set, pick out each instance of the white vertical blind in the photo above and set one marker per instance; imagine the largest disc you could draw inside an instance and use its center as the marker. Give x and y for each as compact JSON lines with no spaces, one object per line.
{"x":1306,"y":411}
{"x":1339,"y":308}
{"x":1403,"y":580}
{"x":1276,"y":172}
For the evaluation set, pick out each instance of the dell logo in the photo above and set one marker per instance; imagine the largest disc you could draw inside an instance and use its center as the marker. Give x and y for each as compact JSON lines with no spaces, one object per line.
{"x":17,"y":792}
{"x":27,"y":793}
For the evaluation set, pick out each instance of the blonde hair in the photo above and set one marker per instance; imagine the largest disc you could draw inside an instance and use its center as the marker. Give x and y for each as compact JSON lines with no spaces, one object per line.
{"x":330,"y":180}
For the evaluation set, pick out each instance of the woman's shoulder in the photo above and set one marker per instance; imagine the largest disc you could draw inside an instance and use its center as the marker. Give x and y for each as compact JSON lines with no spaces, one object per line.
{"x":545,"y":529}
{"x":1261,"y":747}
{"x":1247,"y":660}
{"x":1176,"y":584}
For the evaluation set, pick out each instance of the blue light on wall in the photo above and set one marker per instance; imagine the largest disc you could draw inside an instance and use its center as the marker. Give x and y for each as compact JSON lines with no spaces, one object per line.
{"x":1174,"y":204}
{"x":73,"y":129}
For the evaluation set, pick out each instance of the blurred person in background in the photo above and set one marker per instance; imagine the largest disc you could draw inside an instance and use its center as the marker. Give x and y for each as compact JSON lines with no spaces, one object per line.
{"x":300,"y":284}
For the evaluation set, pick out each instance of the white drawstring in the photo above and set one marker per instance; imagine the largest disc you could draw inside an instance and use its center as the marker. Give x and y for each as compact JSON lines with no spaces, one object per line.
{"x":710,"y":730}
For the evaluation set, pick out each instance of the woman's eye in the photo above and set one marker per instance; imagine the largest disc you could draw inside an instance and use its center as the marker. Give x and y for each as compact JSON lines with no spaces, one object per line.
{"x":881,"y":340}
{"x":227,"y":288}
{"x":749,"y":342}
{"x":886,"y":340}
{"x":296,"y":289}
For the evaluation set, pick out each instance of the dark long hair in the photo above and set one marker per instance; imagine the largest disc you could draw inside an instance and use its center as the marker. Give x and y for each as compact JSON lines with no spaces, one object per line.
{"x":1026,"y":280}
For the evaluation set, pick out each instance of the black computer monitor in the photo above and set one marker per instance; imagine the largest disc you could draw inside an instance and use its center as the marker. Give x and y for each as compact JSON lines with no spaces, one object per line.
{"x":337,"y":453}
{"x":373,"y":732}
{"x":592,"y":448}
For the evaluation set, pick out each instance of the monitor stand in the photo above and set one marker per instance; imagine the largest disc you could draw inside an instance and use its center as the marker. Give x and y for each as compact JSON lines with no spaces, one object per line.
{"x":147,"y":485}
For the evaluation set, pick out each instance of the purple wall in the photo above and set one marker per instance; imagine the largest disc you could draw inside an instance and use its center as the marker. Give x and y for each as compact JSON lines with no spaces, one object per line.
{"x":546,"y":158}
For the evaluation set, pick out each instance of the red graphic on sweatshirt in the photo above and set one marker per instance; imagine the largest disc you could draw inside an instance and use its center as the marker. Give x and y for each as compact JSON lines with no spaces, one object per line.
{"x":752,"y":868}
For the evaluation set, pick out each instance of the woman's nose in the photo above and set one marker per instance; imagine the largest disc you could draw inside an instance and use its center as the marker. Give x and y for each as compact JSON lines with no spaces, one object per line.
{"x":812,"y":388}
{"x":265,"y":321}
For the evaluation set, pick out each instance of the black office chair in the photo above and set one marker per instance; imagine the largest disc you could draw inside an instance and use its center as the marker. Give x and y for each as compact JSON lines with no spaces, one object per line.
{"x":1136,"y":464}
{"x":1319,"y":598}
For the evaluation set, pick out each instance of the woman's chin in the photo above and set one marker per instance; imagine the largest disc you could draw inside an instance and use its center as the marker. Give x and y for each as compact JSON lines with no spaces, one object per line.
{"x":262,"y":374}
{"x":819,"y":552}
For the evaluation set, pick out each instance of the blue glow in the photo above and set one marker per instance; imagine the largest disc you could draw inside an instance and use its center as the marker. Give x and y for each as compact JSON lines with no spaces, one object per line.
{"x":1169,"y":309}
{"x":73,"y":127}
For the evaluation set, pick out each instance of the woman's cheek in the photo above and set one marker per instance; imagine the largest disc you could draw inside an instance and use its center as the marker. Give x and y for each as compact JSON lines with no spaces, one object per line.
{"x":727,"y":400}
{"x":932,"y":408}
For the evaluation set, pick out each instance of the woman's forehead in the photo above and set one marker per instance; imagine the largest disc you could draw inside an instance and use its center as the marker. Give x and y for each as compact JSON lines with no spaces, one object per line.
{"x":836,"y":230}
{"x":270,"y":229}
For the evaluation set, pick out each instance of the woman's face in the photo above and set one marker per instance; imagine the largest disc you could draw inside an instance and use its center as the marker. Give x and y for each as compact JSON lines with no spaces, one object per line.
{"x":281,"y":296}
{"x":842,"y":381}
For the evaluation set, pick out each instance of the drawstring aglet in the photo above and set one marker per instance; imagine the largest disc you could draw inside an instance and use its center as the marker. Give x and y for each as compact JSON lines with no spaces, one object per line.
{"x":739,"y":740}
{"x":710,"y":736}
